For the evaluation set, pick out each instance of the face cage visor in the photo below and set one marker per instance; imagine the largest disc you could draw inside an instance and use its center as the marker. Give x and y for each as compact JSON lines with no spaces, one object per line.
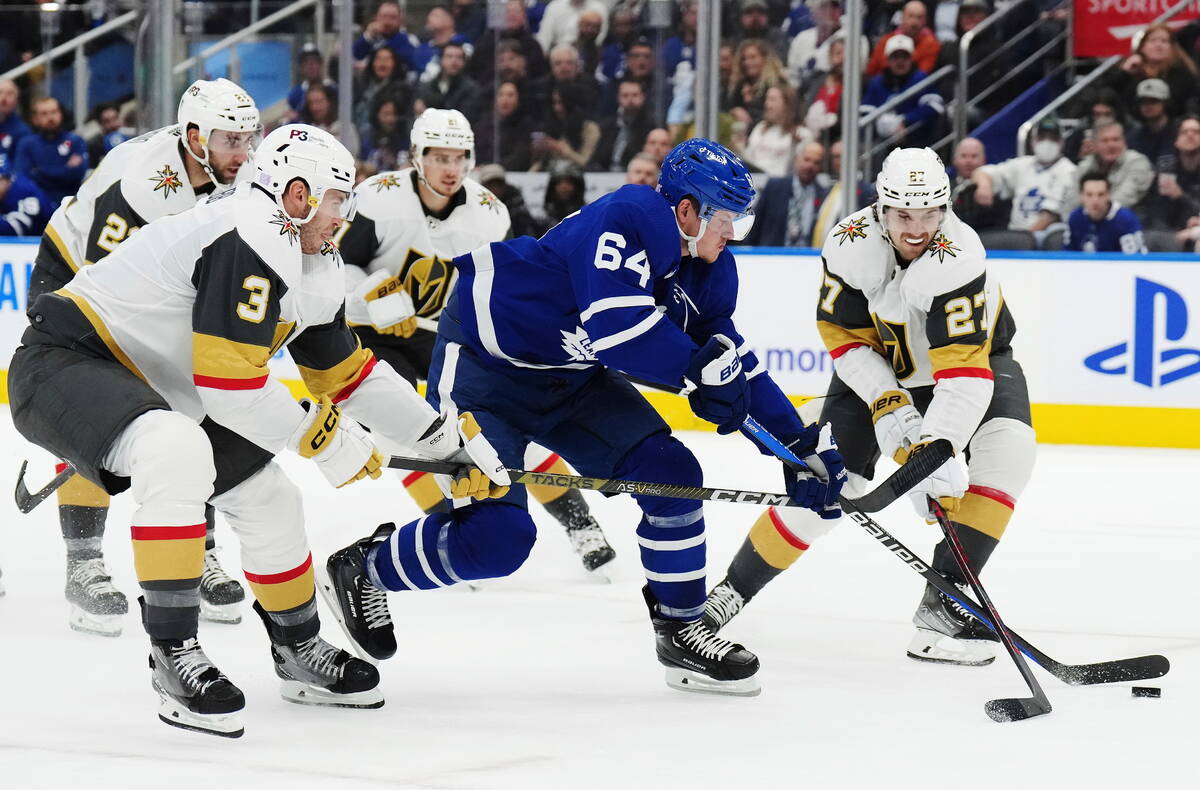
{"x":233,"y":143}
{"x":335,"y":204}
{"x":726,"y":223}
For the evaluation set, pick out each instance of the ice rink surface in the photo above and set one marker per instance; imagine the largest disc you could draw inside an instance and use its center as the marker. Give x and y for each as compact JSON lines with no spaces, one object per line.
{"x":548,"y":679}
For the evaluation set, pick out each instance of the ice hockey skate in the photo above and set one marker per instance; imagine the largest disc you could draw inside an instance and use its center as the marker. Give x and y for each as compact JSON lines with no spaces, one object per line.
{"x":220,"y":594}
{"x":359,"y":606}
{"x":949,"y":634}
{"x":721,"y":606}
{"x":96,"y":606}
{"x":588,"y":541}
{"x":195,"y":694}
{"x":696,"y":659}
{"x":314,"y":672}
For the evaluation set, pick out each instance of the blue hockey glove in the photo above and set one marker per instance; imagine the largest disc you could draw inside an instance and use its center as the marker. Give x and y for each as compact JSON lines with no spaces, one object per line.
{"x":722,"y":395}
{"x":817,"y":484}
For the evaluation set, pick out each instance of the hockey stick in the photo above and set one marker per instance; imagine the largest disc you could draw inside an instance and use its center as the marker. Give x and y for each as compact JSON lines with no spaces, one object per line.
{"x":1120,"y":670}
{"x":1008,"y":708}
{"x":1125,"y":669}
{"x":883,"y":495}
{"x":27,"y":500}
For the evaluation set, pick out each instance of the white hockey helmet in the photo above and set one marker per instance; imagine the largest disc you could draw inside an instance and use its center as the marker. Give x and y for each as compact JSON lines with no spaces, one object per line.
{"x":913,"y":178}
{"x":437,"y":128}
{"x":219,"y":104}
{"x":310,"y":154}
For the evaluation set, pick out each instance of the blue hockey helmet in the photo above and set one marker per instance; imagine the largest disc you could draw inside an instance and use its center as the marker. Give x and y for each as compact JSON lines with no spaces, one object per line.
{"x":716,"y":179}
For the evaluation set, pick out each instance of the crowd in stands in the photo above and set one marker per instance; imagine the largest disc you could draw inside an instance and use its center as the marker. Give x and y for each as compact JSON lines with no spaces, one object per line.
{"x":569,"y":87}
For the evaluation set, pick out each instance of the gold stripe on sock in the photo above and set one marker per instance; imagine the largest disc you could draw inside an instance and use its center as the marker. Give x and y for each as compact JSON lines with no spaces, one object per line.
{"x":778,"y":547}
{"x":81,"y":492}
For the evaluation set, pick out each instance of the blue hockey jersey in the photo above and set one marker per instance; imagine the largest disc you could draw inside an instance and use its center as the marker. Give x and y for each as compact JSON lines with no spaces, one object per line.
{"x":47,"y":161}
{"x":24,"y":210}
{"x":1118,"y":231}
{"x":606,"y":286}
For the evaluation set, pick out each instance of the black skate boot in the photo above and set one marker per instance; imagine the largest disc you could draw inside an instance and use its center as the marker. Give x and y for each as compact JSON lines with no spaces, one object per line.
{"x":722,"y":605}
{"x":949,"y":634}
{"x":359,"y":606}
{"x":220,"y":593}
{"x":195,"y":694}
{"x":314,"y":672}
{"x":587,"y":539}
{"x":696,"y":659}
{"x":96,"y":605}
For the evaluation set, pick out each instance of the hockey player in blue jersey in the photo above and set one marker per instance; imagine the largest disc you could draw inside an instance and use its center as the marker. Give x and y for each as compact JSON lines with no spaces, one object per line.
{"x":1100,"y":224}
{"x":534,"y":340}
{"x":24,"y":209}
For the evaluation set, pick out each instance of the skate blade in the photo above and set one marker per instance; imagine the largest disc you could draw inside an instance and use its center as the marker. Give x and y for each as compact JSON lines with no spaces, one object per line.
{"x":686,"y":680}
{"x":307,"y":694}
{"x":86,"y":622}
{"x":229,"y":613}
{"x":937,"y":648}
{"x":223,"y":725}
{"x":330,"y":596}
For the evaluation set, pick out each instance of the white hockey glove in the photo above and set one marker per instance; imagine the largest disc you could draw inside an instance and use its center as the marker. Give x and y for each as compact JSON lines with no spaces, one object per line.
{"x":948,"y":481}
{"x":462,"y":441}
{"x":340,"y":447}
{"x":381,"y":302}
{"x":897,"y":424}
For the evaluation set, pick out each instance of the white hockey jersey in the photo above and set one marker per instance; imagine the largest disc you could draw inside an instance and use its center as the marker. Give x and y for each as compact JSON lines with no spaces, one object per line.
{"x":195,"y":304}
{"x":1034,"y":188}
{"x":393,"y":232}
{"x":139,"y":181}
{"x":934,"y":321}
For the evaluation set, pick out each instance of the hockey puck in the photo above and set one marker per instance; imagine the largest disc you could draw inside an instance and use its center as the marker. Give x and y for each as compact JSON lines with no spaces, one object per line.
{"x":1146,"y":691}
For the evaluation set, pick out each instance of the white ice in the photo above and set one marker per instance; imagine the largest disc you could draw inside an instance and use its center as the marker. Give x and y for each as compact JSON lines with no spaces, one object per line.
{"x":548,"y":680}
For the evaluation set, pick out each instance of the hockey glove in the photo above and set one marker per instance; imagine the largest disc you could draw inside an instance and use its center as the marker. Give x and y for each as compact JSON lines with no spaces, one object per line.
{"x":722,"y":394}
{"x":340,"y":447}
{"x":897,"y":424}
{"x":947,"y":483}
{"x":817,"y":484}
{"x":461,"y":440}
{"x":381,"y":302}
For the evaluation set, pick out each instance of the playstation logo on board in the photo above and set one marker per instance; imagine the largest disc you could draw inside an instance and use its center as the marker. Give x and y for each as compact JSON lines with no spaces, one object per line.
{"x":1160,"y":318}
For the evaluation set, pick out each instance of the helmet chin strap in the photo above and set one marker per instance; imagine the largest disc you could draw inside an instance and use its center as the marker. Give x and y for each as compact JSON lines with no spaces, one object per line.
{"x":208,"y":170}
{"x":692,"y":241}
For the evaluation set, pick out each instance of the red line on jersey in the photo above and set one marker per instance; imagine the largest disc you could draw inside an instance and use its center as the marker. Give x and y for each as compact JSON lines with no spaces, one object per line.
{"x":413,"y":477}
{"x":837,"y":352}
{"x":784,"y":533}
{"x":549,"y":462}
{"x":280,"y":578}
{"x":183,"y":532}
{"x":970,"y":373}
{"x":349,"y":389}
{"x":994,"y":493}
{"x":217,"y":383}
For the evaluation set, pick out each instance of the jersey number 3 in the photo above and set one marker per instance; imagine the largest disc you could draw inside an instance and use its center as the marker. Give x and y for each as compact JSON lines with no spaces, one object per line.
{"x":254,"y":309}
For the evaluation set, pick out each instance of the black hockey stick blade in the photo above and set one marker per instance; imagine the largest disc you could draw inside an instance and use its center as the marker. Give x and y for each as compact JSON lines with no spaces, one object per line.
{"x":26,"y":500}
{"x":1015,"y":708}
{"x":915,"y":469}
{"x":1119,"y":671}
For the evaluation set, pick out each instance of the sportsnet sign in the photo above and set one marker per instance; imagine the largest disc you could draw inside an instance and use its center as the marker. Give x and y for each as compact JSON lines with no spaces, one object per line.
{"x":1107,"y":27}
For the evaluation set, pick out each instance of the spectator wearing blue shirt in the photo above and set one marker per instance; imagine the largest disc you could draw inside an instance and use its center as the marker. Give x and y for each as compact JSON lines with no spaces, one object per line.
{"x":915,"y":120}
{"x":108,"y":116}
{"x":386,"y":29}
{"x":682,"y":47}
{"x":24,"y":210}
{"x":312,"y":72}
{"x":56,"y":160}
{"x":440,"y":30}
{"x":12,"y":127}
{"x":1101,"y":225}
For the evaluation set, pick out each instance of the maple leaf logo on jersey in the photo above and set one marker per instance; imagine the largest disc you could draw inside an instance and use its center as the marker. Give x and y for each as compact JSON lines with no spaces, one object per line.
{"x":167,"y":180}
{"x":386,"y":182}
{"x":287,"y":226}
{"x":941,"y":246}
{"x":489,"y":200}
{"x":851,"y":229}
{"x":578,"y":345}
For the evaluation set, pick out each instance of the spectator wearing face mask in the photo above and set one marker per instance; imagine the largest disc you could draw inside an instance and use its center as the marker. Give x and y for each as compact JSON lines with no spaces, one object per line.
{"x":1040,"y":186}
{"x":1101,"y":224}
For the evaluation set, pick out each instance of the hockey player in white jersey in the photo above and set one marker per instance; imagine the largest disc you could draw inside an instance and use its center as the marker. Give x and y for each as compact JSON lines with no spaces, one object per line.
{"x":921,"y":339}
{"x":155,"y":175}
{"x":150,"y":372}
{"x":399,"y":252}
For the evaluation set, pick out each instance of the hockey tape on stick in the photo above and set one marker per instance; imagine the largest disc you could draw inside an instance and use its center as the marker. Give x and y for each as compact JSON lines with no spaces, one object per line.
{"x":27,"y":500}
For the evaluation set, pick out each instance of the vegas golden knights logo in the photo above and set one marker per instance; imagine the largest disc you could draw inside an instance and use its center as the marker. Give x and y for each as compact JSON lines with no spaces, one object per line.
{"x":895,"y":344}
{"x":427,"y":279}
